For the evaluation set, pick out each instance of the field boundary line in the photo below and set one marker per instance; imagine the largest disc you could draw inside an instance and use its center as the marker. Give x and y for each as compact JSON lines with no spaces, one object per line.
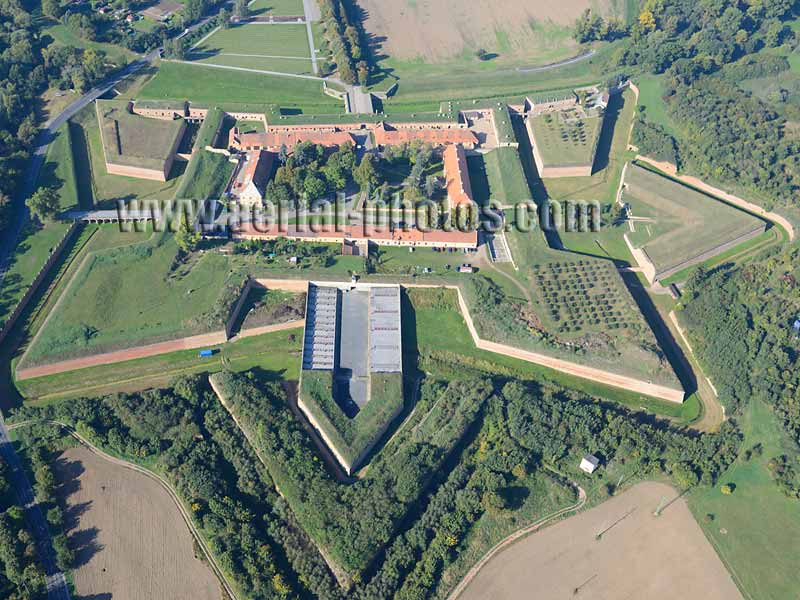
{"x":214,"y":338}
{"x":155,"y":477}
{"x":247,"y":70}
{"x":311,"y":47}
{"x":248,"y":55}
{"x":204,"y":38}
{"x":513,"y":538}
{"x":557,"y":364}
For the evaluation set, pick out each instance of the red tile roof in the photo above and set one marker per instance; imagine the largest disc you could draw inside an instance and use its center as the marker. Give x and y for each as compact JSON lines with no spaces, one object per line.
{"x":456,"y":172}
{"x":274,"y":140}
{"x":386,"y":135}
{"x":372,"y":233}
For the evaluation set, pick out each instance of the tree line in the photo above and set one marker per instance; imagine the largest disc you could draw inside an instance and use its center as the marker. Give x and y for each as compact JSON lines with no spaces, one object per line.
{"x":347,"y":40}
{"x":724,"y":133}
{"x":21,"y":574}
{"x":474,"y":437}
{"x":741,"y":322}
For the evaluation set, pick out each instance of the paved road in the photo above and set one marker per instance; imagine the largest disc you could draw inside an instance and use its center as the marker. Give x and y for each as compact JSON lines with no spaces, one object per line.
{"x":307,"y":9}
{"x":561,"y":63}
{"x":56,"y":583}
{"x":20,"y":213}
{"x":19,"y":209}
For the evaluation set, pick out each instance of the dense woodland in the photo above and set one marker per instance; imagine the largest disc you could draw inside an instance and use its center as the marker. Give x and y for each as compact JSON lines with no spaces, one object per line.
{"x":725,"y":133}
{"x":347,"y":40}
{"x":21,"y":576}
{"x":742,"y":326}
{"x":471,"y":441}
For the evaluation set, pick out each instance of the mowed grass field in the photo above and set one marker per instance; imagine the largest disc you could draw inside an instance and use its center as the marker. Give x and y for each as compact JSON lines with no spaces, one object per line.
{"x":498,"y":176}
{"x":30,"y":255}
{"x":237,"y":90}
{"x":755,"y":529}
{"x":277,"y":353}
{"x":280,"y":65}
{"x":58,"y":170}
{"x":96,"y":187}
{"x":127,"y":296}
{"x":283,"y":8}
{"x":432,"y":322}
{"x":679,"y":223}
{"x":37,"y":241}
{"x":258,"y":39}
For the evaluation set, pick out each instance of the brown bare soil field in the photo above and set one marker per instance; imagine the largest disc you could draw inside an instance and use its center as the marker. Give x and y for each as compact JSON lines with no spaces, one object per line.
{"x":129,"y":538}
{"x":436,"y":30}
{"x":639,"y":555}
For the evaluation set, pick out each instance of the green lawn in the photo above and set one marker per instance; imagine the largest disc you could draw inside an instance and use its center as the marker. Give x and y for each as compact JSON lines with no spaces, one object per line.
{"x":281,"y":65}
{"x":30,"y":255}
{"x":610,"y":157}
{"x":399,"y":261}
{"x":283,"y":8}
{"x":207,"y":176}
{"x":426,"y":85}
{"x":58,"y":170}
{"x":133,"y":140}
{"x":257,"y":39}
{"x":277,"y":352}
{"x":127,"y":296}
{"x":498,"y":176}
{"x":95,"y":185}
{"x":679,"y":223}
{"x":239,"y":90}
{"x":755,"y":530}
{"x":651,"y":91}
{"x":62,"y":36}
{"x":460,"y":75}
{"x":738,"y":254}
{"x":565,"y":139}
{"x":440,"y":328}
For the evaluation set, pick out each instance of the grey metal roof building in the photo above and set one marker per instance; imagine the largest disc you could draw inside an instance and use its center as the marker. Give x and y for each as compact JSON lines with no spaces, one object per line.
{"x":385,"y":340}
{"x":319,"y":347}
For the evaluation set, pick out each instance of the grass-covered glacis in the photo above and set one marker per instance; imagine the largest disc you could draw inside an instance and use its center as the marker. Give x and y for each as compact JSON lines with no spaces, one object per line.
{"x":351,"y":439}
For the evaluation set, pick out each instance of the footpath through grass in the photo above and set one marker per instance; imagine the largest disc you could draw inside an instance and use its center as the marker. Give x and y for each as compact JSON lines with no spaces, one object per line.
{"x":243,"y":90}
{"x":755,"y":530}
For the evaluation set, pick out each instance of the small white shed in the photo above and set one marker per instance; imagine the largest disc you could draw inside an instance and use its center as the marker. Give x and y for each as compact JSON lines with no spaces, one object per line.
{"x":589,"y":463}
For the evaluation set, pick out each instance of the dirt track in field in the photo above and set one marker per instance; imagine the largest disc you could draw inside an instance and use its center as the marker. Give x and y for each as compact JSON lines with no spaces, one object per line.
{"x":440,"y":30}
{"x":130,"y":540}
{"x":638,"y":555}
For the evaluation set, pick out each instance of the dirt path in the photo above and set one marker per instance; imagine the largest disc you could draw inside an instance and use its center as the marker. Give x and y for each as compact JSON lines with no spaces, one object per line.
{"x":209,"y":557}
{"x":672,"y":171}
{"x":187,"y":343}
{"x":619,"y":549}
